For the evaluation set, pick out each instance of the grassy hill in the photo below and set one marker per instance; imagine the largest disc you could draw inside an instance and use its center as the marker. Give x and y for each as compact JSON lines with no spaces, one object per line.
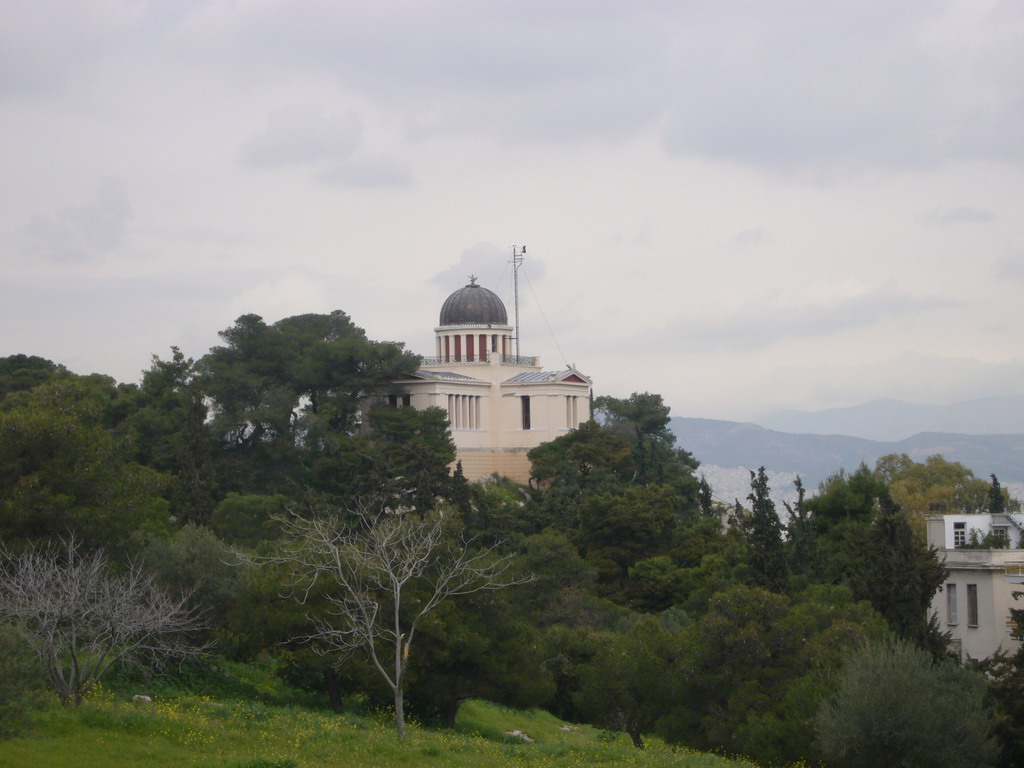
{"x":111,"y":732}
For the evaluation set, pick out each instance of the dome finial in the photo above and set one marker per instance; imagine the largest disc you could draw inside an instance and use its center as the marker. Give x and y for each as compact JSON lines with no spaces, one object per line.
{"x":472,"y":279}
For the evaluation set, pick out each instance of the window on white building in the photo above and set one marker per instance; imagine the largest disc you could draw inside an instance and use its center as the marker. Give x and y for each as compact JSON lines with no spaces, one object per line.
{"x":972,"y":605}
{"x":959,"y":534}
{"x":951,"y":603}
{"x":526,"y":411}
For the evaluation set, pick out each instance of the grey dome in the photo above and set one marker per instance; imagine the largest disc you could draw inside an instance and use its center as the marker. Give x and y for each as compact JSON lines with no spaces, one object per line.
{"x":473,"y":304}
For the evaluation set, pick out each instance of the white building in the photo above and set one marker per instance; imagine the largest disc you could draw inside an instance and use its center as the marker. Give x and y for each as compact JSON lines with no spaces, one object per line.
{"x":974,"y":604}
{"x":499,"y":405}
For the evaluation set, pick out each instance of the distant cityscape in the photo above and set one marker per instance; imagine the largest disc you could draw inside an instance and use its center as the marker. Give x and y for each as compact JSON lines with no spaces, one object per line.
{"x":986,"y":436}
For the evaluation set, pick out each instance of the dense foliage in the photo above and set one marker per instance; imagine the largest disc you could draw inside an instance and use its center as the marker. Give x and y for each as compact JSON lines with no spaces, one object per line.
{"x":640,"y":602}
{"x":895,"y":706}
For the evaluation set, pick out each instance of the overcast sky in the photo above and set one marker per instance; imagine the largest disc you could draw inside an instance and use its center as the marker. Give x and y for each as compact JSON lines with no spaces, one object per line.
{"x":743,"y":206}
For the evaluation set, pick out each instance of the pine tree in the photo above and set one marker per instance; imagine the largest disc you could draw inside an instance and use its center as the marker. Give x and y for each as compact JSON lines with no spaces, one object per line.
{"x":899,"y":575}
{"x":800,"y":541}
{"x":996,"y":503}
{"x":764,"y":536}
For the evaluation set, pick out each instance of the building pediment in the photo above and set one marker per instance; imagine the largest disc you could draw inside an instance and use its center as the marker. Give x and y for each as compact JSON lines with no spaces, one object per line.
{"x":567,"y":376}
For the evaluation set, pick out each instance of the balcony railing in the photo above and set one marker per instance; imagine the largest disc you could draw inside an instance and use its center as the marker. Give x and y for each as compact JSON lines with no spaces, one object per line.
{"x":433,"y":360}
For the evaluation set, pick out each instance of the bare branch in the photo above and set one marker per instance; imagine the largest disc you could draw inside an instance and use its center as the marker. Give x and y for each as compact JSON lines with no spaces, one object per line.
{"x":366,"y":567}
{"x":80,"y":618}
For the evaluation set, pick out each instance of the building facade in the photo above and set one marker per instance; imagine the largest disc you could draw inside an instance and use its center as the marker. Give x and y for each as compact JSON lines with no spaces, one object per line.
{"x":986,"y":566}
{"x":499,"y":404}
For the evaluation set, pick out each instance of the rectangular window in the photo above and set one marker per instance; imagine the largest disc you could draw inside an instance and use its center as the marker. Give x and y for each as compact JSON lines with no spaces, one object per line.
{"x":526,"y":411}
{"x":959,"y":534}
{"x":951,"y":603}
{"x":972,"y":605}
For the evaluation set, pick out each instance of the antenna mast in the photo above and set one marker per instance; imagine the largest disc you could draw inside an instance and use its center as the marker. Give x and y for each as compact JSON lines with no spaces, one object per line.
{"x":518,"y":254}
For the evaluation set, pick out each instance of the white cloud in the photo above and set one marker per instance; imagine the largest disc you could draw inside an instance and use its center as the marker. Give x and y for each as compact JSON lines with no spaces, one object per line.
{"x":1011,"y":265}
{"x":45,"y":44}
{"x":731,"y":204}
{"x":293,"y":293}
{"x":765,"y":321}
{"x":302,"y":135}
{"x":81,"y":232}
{"x":940,"y":216}
{"x":368,"y":173}
{"x":490,"y":263}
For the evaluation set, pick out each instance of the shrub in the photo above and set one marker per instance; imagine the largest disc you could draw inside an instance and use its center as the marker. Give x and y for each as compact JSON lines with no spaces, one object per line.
{"x":20,"y":678}
{"x":893,"y":706}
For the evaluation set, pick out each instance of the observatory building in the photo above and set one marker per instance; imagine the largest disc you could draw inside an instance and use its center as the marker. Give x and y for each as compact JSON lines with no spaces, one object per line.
{"x":499,"y":404}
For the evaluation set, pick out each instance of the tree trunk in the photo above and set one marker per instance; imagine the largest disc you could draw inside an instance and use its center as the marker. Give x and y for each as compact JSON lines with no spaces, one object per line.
{"x":635,"y":736}
{"x":399,"y":712}
{"x":333,"y":691}
{"x":451,"y":709}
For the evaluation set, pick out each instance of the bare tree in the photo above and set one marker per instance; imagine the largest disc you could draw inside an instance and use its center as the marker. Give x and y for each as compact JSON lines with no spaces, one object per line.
{"x":80,"y":617}
{"x":371,"y":566}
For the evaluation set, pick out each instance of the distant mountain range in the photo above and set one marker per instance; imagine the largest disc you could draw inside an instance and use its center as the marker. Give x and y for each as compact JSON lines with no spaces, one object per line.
{"x":816,"y":456}
{"x":893,"y":420}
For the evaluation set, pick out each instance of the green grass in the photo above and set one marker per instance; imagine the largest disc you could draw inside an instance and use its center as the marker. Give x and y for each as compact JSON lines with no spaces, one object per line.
{"x":109,"y":732}
{"x":498,"y":723}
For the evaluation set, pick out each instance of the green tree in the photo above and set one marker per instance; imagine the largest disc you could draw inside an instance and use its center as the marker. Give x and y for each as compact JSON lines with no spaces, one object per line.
{"x":488,"y":652}
{"x":898,"y":574}
{"x":801,"y":545}
{"x":414,"y":451}
{"x":402,"y":460}
{"x":710,"y":560}
{"x":995,"y":502}
{"x":936,"y":486}
{"x":643,"y":420}
{"x":625,"y":686}
{"x":498,"y":508}
{"x":387,"y":570}
{"x":615,"y":530}
{"x":167,"y":430}
{"x":895,"y":707}
{"x":20,"y":677}
{"x":750,"y":671}
{"x":1005,"y":673}
{"x":586,"y":457}
{"x":248,"y":519}
{"x":562,"y":579}
{"x":282,"y":391}
{"x":998,"y":501}
{"x":764,"y":536}
{"x":704,"y":497}
{"x":63,"y":473}
{"x":845,"y":499}
{"x":23,"y":373}
{"x":195,"y":562}
{"x":841,"y":513}
{"x":655,"y":584}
